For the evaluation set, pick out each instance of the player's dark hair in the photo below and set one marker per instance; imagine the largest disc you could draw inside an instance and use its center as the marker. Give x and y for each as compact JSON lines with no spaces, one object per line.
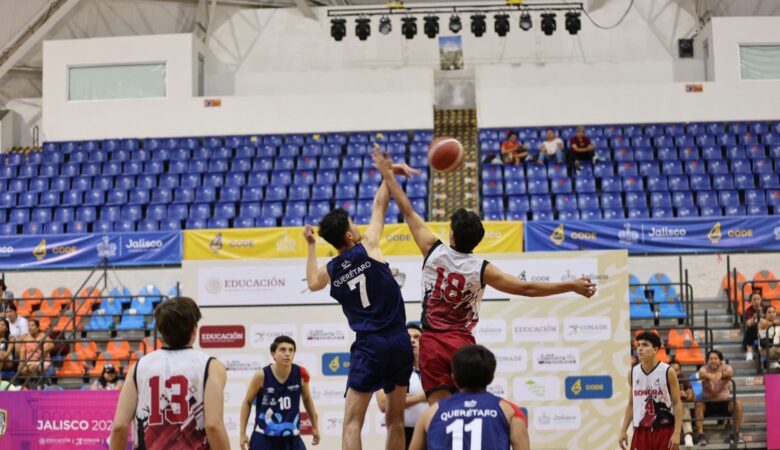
{"x":717,"y":352}
{"x":673,"y":362}
{"x":510,"y":134}
{"x":7,"y":334}
{"x":176,"y":318}
{"x":473,"y":367}
{"x":467,"y":229}
{"x":282,"y":340}
{"x":414,"y":325}
{"x":650,"y":337}
{"x":334,"y":226}
{"x":12,"y":307}
{"x":37,"y":323}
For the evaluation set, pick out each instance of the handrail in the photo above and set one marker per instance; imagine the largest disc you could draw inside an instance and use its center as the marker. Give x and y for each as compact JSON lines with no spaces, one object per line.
{"x":686,"y":296}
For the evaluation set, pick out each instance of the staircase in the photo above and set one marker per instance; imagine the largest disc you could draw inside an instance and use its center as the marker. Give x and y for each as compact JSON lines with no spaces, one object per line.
{"x":458,"y":189}
{"x":749,"y":382}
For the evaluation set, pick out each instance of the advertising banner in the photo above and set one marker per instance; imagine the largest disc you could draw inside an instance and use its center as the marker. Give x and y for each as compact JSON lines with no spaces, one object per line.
{"x":88,"y":250}
{"x":288,"y":242}
{"x":656,"y":235}
{"x":772,"y":386}
{"x":48,"y":419}
{"x":563,"y":359}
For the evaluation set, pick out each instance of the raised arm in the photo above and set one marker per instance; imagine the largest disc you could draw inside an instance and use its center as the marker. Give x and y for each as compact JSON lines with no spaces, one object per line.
{"x":316,"y":277}
{"x":504,"y":282}
{"x":420,"y":436}
{"x":373,"y":234}
{"x":420,"y":232}
{"x":246,"y":407}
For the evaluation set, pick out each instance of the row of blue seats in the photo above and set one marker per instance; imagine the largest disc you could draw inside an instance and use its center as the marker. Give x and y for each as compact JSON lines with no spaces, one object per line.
{"x":143,"y":196}
{"x":264,"y":151}
{"x":191,"y":180}
{"x":585,"y":184}
{"x":634,"y":130}
{"x":200,"y":210}
{"x":708,"y":152}
{"x":682,"y":143}
{"x":157,"y":167}
{"x":630,"y":213}
{"x":632,"y":200}
{"x":238,"y":141}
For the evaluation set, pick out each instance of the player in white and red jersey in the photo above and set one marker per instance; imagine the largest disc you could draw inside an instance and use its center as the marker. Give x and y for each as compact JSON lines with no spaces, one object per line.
{"x":174,"y":396}
{"x":454,"y":281}
{"x":654,"y":408}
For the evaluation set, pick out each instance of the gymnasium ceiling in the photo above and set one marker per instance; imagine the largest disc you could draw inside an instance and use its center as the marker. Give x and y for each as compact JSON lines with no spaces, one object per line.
{"x":20,"y":77}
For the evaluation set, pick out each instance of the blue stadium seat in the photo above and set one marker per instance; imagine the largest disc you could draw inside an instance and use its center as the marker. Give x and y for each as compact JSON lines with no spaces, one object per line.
{"x":281,"y":177}
{"x":666,"y":153}
{"x":723,"y":181}
{"x":649,"y":168}
{"x":541,"y":203}
{"x":614,"y":213}
{"x":694,"y":167}
{"x":711,"y":151}
{"x":538,"y":186}
{"x":518,"y":204}
{"x":768,"y":181}
{"x":566,"y":202}
{"x":275,"y":193}
{"x":298,"y":192}
{"x":97,"y":197}
{"x":671,"y":168}
{"x":636,"y":200}
{"x":41,"y":215}
{"x":263,"y":164}
{"x":585,"y":184}
{"x":755,"y":197}
{"x":303,"y":177}
{"x":131,"y":320}
{"x":659,"y":200}
{"x":250,"y":209}
{"x":633,"y":184}
{"x":489,"y":205}
{"x":717,"y":166}
{"x":662,"y":213}
{"x":590,"y":214}
{"x":734,"y":210}
{"x":571,"y":214}
{"x":561,"y":185}
{"x":53,"y":227}
{"x":700,"y":182}
{"x":367,"y":190}
{"x":103,"y":226}
{"x":678,"y":183}
{"x":624,"y":154}
{"x":740,"y":166}
{"x":295,"y":209}
{"x":284,"y":163}
{"x":657,"y":183}
{"x":235,"y":179}
{"x":252,"y":194}
{"x":611,"y":184}
{"x":491,"y":173}
{"x":195,"y":224}
{"x":205,"y":194}
{"x":757,"y":210}
{"x":225,"y":210}
{"x":603,"y":169}
{"x":591,"y":201}
{"x":710,"y":211}
{"x":517,"y":172}
{"x":762,"y":166}
{"x":319,"y":208}
{"x":744,"y":181}
{"x":124,"y":225}
{"x":229,"y":194}
{"x":60,"y":184}
{"x":755,"y":151}
{"x":346,"y":191}
{"x":533,"y":172}
{"x":535,"y":215}
{"x":272,"y":209}
{"x":706,"y":198}
{"x":257,"y":179}
{"x":728,"y":198}
{"x":638,"y":213}
{"x":213,"y":180}
{"x":492,"y":188}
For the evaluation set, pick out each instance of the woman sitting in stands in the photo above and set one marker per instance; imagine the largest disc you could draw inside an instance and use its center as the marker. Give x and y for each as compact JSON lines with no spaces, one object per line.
{"x":769,"y":336}
{"x":512,"y":151}
{"x":6,"y":346}
{"x":109,"y":380}
{"x":36,"y":347}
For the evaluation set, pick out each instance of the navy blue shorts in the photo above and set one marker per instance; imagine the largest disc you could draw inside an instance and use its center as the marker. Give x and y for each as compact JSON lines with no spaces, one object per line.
{"x":380,"y":362}
{"x":262,"y":442}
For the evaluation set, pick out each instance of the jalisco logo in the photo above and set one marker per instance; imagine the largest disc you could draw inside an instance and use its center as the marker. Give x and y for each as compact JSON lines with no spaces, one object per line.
{"x":106,"y":248}
{"x":628,"y":236}
{"x":665,"y":233}
{"x":6,"y":250}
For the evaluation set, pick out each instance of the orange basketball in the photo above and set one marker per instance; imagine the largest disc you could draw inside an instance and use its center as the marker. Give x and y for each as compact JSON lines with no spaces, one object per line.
{"x":445,"y":154}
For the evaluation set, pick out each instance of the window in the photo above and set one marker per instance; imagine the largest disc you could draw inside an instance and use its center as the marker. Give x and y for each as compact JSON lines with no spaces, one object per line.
{"x":116,"y":81}
{"x":759,"y":62}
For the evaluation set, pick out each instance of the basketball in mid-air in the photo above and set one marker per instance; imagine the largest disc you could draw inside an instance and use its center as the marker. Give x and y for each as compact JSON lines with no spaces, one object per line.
{"x":445,"y":154}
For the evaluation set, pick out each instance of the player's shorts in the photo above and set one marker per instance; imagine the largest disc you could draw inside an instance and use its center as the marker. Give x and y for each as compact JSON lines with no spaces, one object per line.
{"x":718,"y":408}
{"x":651,"y":438}
{"x":436,"y":351}
{"x":262,"y":442}
{"x":380,"y":361}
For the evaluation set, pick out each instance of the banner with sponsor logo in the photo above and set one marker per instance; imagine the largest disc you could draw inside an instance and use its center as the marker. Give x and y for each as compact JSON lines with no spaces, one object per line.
{"x":48,"y":420}
{"x":288,"y":242}
{"x":657,"y":235}
{"x":564,"y":359}
{"x":88,"y":250}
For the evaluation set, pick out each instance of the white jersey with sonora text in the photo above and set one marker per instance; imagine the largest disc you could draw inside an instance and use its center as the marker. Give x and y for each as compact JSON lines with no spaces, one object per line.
{"x":453,"y":285}
{"x":652,"y":400}
{"x":171,"y":386}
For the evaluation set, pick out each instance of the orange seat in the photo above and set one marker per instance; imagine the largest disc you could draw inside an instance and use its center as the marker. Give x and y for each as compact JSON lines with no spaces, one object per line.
{"x":91,"y":295}
{"x":686,"y":349}
{"x":86,"y":349}
{"x":32,"y":293}
{"x":147,"y":346}
{"x":50,"y":308}
{"x":120,"y":349}
{"x":741,"y":293}
{"x":102,"y":360}
{"x":25,"y":307}
{"x":69,"y":321}
{"x":72,"y":366}
{"x":762,"y":280}
{"x":61,"y":295}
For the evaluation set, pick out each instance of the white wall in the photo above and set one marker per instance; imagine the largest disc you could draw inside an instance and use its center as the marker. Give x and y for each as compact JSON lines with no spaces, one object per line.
{"x":351,"y":100}
{"x":513,"y":96}
{"x":7,"y":138}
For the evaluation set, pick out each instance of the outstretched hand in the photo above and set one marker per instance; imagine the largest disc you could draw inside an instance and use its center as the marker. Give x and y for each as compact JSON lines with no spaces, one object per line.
{"x":308,"y":234}
{"x":584,"y":287}
{"x":384,"y":163}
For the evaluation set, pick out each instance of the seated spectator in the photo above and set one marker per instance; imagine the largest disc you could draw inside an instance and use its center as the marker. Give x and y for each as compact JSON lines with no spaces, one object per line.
{"x":552,"y":147}
{"x":17,"y":325}
{"x":715,"y":378}
{"x":769,"y":336}
{"x":582,"y":148}
{"x":35,"y":346}
{"x":512,"y":151}
{"x":5,"y":294}
{"x":109,"y":380}
{"x":686,"y":395}
{"x":753,"y":314}
{"x":6,"y":346}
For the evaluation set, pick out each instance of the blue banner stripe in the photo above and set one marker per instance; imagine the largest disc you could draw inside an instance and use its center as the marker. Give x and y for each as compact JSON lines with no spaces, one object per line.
{"x":656,"y":235}
{"x":67,"y":251}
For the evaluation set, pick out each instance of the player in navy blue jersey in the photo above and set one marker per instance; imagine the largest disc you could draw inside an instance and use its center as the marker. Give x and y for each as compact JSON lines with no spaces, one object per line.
{"x":472,"y":419}
{"x":276,"y":391}
{"x":361,"y":281}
